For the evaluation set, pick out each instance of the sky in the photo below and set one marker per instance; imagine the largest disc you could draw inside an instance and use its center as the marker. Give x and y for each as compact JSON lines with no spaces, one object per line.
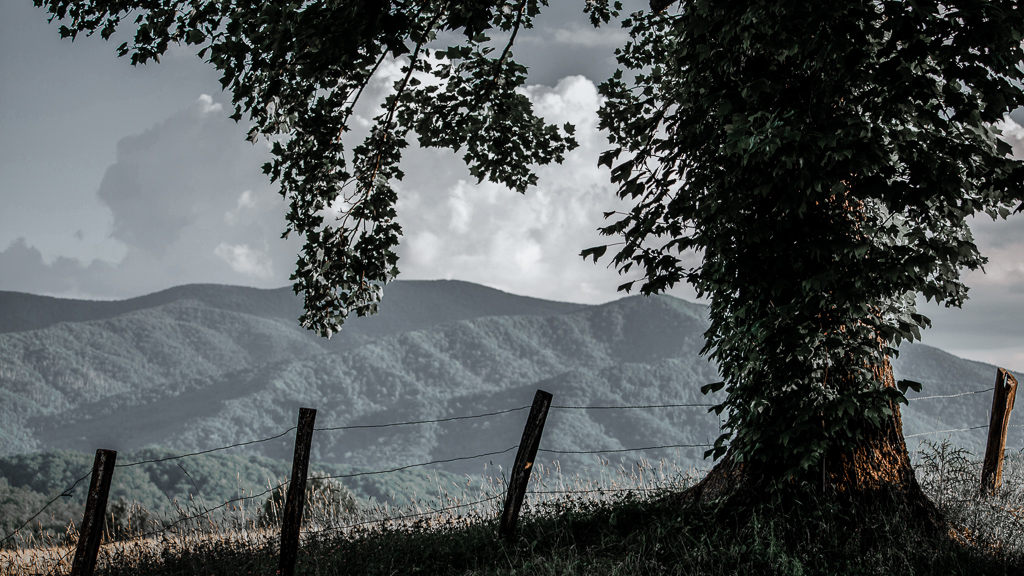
{"x":117,"y":181}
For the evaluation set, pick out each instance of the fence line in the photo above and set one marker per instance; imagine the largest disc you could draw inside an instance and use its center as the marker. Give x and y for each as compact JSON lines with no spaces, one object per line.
{"x":474,"y":503}
{"x":420,"y":421}
{"x":403,"y":517}
{"x":203,"y":514}
{"x":626,"y":449}
{"x":989,"y":389}
{"x":180,"y":456}
{"x":65,"y":493}
{"x":421,"y":464}
{"x":168,"y":527}
{"x":68,"y":492}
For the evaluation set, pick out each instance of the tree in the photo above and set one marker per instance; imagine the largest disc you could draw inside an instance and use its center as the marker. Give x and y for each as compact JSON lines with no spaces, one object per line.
{"x":822,"y":158}
{"x":327,"y":500}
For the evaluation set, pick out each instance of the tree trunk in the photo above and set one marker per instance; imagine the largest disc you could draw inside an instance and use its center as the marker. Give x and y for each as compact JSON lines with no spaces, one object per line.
{"x":875,"y":472}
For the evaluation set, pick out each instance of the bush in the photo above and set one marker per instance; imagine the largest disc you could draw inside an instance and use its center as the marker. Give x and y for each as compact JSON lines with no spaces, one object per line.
{"x":327,"y":500}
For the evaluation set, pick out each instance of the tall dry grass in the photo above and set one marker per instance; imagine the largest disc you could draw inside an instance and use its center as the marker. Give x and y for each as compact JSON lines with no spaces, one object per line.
{"x":397,"y":535}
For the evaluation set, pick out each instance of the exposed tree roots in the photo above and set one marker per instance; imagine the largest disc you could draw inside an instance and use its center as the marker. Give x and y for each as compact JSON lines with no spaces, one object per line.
{"x":874,"y":476}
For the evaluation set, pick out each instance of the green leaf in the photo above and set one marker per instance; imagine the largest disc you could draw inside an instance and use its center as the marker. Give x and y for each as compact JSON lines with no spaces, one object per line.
{"x":713,"y":387}
{"x":903,"y":385}
{"x":596,"y":252}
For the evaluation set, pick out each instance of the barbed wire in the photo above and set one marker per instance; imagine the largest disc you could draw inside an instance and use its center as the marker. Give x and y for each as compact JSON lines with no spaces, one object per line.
{"x":421,"y":421}
{"x":625,"y":449}
{"x":280,"y":485}
{"x":421,"y":464}
{"x":205,"y":451}
{"x":704,"y":405}
{"x":474,"y":503}
{"x":915,"y":399}
{"x":944,"y":431}
{"x":60,"y":559}
{"x":65,"y":493}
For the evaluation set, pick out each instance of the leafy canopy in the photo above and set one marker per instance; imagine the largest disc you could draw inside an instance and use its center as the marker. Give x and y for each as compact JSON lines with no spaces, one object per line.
{"x":298,"y":68}
{"x":822,"y":157}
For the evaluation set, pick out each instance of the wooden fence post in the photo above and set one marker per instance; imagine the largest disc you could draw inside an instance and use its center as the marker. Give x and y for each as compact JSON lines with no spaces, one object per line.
{"x":296,"y":496}
{"x":95,"y":510}
{"x":524,"y":463}
{"x":1002,"y":405}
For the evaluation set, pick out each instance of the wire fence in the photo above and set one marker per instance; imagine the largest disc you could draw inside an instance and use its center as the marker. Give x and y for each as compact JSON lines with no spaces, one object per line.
{"x":204,"y":513}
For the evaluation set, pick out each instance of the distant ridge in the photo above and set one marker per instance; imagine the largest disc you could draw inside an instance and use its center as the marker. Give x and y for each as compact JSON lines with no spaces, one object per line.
{"x":408,"y":304}
{"x":22,"y":312}
{"x":417,"y":304}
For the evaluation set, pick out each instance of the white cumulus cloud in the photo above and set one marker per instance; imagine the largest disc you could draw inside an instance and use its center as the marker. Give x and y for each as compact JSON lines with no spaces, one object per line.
{"x":245,"y":260}
{"x":526,"y":244}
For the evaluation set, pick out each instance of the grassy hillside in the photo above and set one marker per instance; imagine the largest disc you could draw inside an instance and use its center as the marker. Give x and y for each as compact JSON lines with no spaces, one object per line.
{"x":633,"y":524}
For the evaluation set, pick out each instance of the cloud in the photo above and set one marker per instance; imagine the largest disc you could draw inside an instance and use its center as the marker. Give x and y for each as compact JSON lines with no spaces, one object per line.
{"x":22,"y":269}
{"x":581,"y":35}
{"x":526,"y":244}
{"x":188,"y":203}
{"x":245,"y":260}
{"x":1013,"y":133}
{"x":170,"y":177}
{"x":244,"y":207}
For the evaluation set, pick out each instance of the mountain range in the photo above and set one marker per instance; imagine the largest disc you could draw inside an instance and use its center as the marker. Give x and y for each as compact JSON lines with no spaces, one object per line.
{"x":199,"y":367}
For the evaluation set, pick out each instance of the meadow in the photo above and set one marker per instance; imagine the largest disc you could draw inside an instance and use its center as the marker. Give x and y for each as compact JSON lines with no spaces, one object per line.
{"x":617,"y":522}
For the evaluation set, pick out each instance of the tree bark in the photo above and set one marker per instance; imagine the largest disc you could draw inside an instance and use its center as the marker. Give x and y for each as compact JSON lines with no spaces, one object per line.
{"x":875,"y":472}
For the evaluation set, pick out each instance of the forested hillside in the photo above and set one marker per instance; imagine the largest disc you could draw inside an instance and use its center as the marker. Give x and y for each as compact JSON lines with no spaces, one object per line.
{"x":199,"y":367}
